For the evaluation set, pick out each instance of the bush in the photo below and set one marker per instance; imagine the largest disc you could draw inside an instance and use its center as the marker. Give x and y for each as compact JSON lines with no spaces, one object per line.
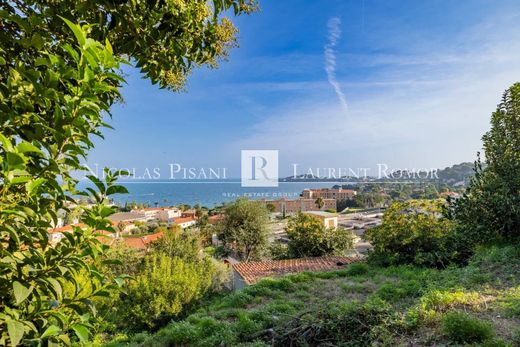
{"x":414,"y":232}
{"x":308,"y":237}
{"x":278,"y":250}
{"x":357,"y":269}
{"x":460,"y":327}
{"x":163,"y":289}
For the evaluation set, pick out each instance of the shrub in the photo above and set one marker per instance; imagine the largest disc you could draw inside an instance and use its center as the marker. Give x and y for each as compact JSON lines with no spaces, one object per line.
{"x":278,"y":250}
{"x":462,"y":328}
{"x":163,"y":289}
{"x":357,"y":269}
{"x":414,"y":232}
{"x":308,"y":237}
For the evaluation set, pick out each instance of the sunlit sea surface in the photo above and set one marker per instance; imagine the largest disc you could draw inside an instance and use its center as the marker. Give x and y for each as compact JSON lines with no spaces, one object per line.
{"x":206,"y":193}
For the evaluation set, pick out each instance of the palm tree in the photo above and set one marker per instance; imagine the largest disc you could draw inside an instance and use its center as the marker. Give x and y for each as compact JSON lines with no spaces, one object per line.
{"x":319,"y":202}
{"x":120,"y":229}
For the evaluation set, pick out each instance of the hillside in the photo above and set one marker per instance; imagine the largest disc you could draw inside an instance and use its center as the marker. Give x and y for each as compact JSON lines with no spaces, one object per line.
{"x":363,"y":305}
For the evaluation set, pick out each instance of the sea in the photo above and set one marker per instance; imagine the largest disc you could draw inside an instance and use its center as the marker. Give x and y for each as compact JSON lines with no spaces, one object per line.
{"x":209,"y":193}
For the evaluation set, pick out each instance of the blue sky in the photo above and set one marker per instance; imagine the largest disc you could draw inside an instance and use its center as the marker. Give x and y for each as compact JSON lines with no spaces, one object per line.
{"x":331,"y":84}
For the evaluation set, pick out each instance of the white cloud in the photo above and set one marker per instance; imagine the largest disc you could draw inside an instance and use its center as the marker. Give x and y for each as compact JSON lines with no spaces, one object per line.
{"x":330,"y":58}
{"x":426,"y":110}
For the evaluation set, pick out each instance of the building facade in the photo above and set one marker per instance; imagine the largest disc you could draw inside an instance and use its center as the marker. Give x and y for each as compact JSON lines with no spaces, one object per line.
{"x":300,"y":205}
{"x":329,"y":193}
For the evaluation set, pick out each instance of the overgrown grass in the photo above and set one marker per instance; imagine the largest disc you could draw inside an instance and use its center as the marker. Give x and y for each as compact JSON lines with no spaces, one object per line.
{"x":362,"y":305}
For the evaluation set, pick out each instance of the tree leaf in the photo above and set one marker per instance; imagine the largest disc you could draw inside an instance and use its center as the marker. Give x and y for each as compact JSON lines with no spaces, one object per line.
{"x":24,"y":147}
{"x":76,"y":29}
{"x":21,"y":292}
{"x":116,"y":190}
{"x":33,"y":185}
{"x":81,"y":331}
{"x":15,"y":330}
{"x":51,"y":331}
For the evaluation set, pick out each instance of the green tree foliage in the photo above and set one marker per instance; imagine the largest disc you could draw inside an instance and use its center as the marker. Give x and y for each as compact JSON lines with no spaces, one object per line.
{"x":50,"y":102}
{"x":244,"y":229}
{"x":162,"y":289}
{"x":183,"y":244}
{"x":271,"y":207}
{"x":308,"y":237}
{"x":415,"y":232}
{"x":490,"y":208}
{"x":319,"y":203}
{"x":58,"y":81}
{"x":164,"y":283}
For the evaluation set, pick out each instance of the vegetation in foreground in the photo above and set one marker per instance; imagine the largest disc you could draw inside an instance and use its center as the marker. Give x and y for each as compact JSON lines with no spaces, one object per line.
{"x":361,"y":305}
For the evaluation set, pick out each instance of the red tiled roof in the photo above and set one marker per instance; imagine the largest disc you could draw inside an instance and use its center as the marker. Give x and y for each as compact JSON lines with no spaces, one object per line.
{"x":254,"y":271}
{"x":134,"y":242}
{"x":143,"y":241}
{"x":215,"y":218}
{"x":66,"y":228}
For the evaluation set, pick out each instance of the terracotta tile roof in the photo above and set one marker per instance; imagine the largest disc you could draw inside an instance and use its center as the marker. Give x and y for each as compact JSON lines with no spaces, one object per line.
{"x":254,"y":271}
{"x":143,"y":241}
{"x":66,"y":228}
{"x":134,"y":242}
{"x":215,"y":218}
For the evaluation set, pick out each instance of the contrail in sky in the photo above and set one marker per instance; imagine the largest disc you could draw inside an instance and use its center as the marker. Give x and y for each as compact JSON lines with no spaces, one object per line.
{"x":330,"y":58}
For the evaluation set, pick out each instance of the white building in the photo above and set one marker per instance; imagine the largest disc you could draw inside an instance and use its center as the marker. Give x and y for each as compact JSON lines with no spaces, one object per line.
{"x":169,"y":214}
{"x":185,"y":222}
{"x":163,"y":214}
{"x":329,"y":219}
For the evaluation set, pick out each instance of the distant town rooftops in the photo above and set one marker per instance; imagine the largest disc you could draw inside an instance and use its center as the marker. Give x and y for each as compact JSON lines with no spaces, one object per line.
{"x":154,"y":209}
{"x":126,"y":217}
{"x":66,"y":228}
{"x":141,"y":242}
{"x":341,"y":190}
{"x":252,"y":272}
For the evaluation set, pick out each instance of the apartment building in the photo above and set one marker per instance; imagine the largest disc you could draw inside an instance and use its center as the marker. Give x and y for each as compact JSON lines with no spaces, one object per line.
{"x":329,"y":193}
{"x":300,"y":205}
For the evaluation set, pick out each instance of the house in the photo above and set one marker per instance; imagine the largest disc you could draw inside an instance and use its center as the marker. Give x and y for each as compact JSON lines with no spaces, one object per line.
{"x":189,"y":213}
{"x":329,"y":193}
{"x":123,"y":227}
{"x":299,"y":205}
{"x":150,"y":213}
{"x":128,"y":217}
{"x":141,"y":243}
{"x":168,"y":214}
{"x":185,"y":222}
{"x":56,"y":234}
{"x":245,"y":274}
{"x":329,"y":219}
{"x":215,"y":218}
